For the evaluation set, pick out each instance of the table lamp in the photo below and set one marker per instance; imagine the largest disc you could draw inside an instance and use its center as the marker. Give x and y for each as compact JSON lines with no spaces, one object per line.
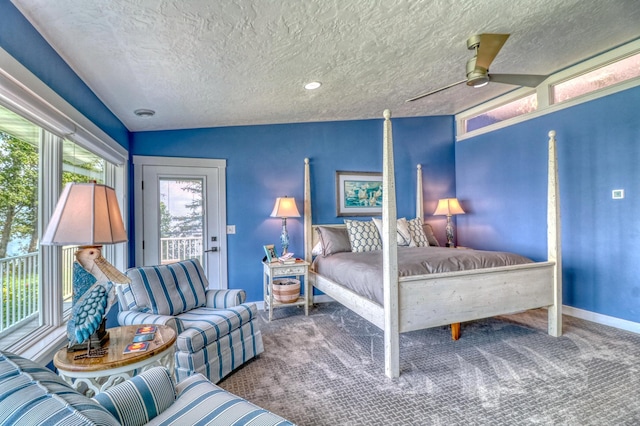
{"x":88,"y":215}
{"x":449,"y":207}
{"x":285,"y":207}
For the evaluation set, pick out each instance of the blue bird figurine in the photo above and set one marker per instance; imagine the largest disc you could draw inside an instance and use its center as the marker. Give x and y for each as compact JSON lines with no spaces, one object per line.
{"x":93,"y":279}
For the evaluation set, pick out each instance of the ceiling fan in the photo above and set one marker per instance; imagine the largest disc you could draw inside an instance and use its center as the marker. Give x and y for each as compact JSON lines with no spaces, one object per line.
{"x":486,"y":48}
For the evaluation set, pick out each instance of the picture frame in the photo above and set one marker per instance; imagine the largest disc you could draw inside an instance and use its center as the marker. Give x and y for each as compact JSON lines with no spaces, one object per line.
{"x":270,"y":252}
{"x":358,"y":193}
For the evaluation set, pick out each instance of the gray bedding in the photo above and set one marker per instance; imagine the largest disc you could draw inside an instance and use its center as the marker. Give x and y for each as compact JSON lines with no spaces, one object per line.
{"x":362,"y":272}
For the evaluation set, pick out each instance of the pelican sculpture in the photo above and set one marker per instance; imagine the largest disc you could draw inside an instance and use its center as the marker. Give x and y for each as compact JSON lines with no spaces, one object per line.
{"x":93,"y":279}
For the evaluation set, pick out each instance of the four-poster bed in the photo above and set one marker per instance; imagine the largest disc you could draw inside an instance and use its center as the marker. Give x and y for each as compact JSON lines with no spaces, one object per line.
{"x":429,"y":300}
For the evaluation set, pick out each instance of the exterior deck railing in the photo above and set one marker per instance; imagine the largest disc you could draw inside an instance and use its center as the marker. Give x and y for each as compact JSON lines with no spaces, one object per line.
{"x":19,"y":276}
{"x":20,"y":296}
{"x":174,"y":249}
{"x":20,"y":279}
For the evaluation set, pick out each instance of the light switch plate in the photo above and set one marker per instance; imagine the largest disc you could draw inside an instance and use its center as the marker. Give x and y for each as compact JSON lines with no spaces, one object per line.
{"x":617,"y":194}
{"x":231,"y":229}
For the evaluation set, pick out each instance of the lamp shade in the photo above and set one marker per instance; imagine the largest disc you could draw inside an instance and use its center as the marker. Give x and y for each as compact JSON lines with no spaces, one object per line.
{"x":448,"y":207}
{"x":285,"y":207}
{"x":86,"y":214}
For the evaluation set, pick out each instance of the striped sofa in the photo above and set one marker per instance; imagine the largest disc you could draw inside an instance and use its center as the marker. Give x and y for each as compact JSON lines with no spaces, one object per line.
{"x":216,"y":329}
{"x":34,"y":395}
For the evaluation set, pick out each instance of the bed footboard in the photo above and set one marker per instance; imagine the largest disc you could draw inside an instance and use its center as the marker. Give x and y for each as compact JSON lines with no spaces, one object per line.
{"x":448,"y":298}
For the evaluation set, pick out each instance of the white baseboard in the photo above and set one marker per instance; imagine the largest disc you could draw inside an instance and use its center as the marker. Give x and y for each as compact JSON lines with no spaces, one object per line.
{"x":602,"y":319}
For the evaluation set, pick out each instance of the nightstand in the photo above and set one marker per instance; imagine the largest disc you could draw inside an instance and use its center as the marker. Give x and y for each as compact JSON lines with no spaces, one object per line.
{"x":275,"y":270}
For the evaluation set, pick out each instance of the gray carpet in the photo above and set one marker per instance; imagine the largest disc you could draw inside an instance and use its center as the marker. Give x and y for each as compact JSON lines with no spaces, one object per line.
{"x":328,"y":369}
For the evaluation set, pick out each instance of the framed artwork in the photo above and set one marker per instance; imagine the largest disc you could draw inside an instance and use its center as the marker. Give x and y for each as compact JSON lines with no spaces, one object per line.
{"x":270,"y":252}
{"x":358,"y":193}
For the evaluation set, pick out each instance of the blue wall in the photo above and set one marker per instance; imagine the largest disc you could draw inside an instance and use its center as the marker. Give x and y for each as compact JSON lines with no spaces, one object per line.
{"x":501,"y":181}
{"x":265,"y":162}
{"x":26,"y":45}
{"x":501,"y":176}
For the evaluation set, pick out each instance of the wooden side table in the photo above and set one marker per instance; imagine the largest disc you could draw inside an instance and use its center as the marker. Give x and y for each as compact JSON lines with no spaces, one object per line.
{"x":100,"y":373}
{"x":278,"y":270}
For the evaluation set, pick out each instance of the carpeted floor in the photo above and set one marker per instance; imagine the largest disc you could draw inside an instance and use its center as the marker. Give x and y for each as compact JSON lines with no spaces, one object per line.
{"x":328,"y":369}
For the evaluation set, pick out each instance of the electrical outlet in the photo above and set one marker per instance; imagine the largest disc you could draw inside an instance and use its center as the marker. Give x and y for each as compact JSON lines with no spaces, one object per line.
{"x":231,"y":229}
{"x":617,"y":194}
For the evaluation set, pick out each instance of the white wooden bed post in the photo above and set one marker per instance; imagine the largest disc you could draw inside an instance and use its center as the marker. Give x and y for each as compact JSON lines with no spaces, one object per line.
{"x":390,"y":254}
{"x":308,"y":238}
{"x":419,"y":200}
{"x":554,"y":253}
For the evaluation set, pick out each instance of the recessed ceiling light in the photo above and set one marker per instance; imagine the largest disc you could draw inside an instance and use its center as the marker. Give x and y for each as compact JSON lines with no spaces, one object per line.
{"x":144,"y":112}
{"x":313,"y":85}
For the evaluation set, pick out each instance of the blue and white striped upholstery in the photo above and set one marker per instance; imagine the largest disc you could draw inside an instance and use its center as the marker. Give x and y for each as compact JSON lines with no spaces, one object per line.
{"x":205,"y":325}
{"x":222,"y":356}
{"x":139,"y":318}
{"x":220,"y":299}
{"x":126,"y":299}
{"x":138,"y":400}
{"x":34,"y":395}
{"x":169,"y":289}
{"x":203,"y":403}
{"x":225,"y":298}
{"x":213,"y":340}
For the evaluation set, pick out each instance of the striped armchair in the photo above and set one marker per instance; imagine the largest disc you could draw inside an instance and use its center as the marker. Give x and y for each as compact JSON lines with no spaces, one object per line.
{"x":216,"y":329}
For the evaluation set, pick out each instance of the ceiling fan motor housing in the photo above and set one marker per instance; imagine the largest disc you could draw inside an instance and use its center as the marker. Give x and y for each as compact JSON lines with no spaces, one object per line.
{"x":476,"y":76}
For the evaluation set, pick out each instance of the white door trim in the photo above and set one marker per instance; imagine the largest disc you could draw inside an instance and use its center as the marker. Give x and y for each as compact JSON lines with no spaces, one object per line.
{"x":142,"y":160}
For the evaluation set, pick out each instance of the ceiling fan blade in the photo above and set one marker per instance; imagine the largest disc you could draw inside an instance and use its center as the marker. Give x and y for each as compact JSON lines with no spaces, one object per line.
{"x":490,"y":45}
{"x":527,"y":80}
{"x":424,"y":95}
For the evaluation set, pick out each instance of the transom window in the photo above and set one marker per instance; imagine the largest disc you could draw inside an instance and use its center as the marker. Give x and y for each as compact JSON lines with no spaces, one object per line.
{"x":504,"y":112}
{"x":608,"y":75}
{"x":612,"y":71}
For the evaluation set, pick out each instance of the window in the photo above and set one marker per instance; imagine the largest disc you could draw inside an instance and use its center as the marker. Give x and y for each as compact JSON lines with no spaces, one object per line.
{"x":19,"y":255}
{"x":602,"y":77}
{"x":22,"y":170}
{"x":44,"y":143}
{"x":512,"y":109}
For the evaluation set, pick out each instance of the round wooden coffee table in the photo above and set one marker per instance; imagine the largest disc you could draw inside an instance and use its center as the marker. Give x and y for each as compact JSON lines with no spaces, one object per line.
{"x":100,"y":373}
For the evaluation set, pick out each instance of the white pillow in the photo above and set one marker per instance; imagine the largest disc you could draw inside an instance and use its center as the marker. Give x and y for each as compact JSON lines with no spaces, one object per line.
{"x":317,"y":249}
{"x":404,"y":236}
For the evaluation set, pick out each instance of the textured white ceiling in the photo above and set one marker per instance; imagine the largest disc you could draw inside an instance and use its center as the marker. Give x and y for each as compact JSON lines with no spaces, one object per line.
{"x":209,"y":63}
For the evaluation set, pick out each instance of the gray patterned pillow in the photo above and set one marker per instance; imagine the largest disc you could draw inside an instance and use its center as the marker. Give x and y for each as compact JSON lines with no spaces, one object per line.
{"x":428,"y":231}
{"x":402,"y":227}
{"x":418,"y":234}
{"x":363,"y":235}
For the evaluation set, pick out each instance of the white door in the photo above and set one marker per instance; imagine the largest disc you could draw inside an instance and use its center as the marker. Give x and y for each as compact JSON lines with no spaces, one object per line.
{"x":181,"y":213}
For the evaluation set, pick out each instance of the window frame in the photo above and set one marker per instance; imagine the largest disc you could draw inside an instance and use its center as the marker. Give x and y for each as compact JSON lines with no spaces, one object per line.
{"x":24,"y":94}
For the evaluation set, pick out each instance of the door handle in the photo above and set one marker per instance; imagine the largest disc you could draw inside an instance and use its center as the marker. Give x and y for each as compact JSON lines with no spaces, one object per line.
{"x":211,"y":249}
